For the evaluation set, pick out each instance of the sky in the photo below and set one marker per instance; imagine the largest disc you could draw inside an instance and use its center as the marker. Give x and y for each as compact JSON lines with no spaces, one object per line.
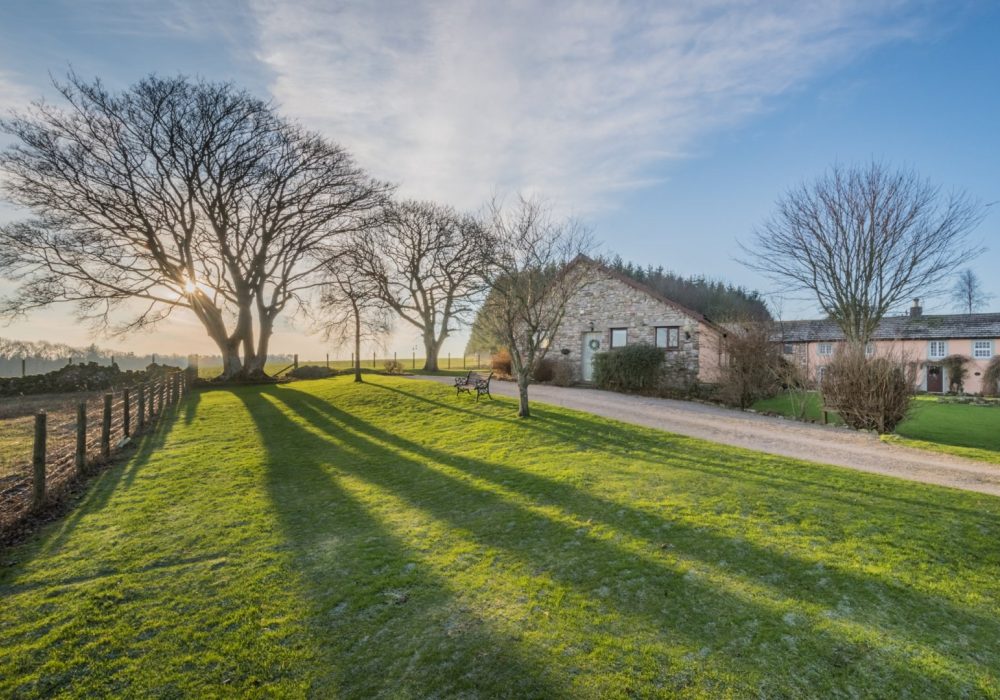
{"x":669,"y":128}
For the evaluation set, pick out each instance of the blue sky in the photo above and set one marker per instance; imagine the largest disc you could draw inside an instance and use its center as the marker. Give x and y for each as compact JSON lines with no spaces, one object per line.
{"x":670,"y":128}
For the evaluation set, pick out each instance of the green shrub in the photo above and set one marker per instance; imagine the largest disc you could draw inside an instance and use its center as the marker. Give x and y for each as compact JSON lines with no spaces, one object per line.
{"x":631,"y":368}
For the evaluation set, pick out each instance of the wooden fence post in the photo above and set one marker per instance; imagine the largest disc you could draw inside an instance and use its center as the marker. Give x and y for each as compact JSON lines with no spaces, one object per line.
{"x":24,"y":367}
{"x":479,"y":360}
{"x":106,"y":427}
{"x":126,"y":414}
{"x":328,"y":360}
{"x":449,"y":360}
{"x":152,"y":400}
{"x":177,"y":386}
{"x":80,"y":461}
{"x":373,"y":360}
{"x":38,"y":462}
{"x":141,"y":407}
{"x":163,"y":393}
{"x":295,"y":360}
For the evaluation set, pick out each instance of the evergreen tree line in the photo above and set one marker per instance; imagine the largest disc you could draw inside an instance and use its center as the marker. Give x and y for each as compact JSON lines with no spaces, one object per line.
{"x":717,"y":300}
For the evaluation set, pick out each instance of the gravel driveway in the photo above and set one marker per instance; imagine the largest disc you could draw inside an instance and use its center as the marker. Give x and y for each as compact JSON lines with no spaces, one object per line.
{"x":826,"y":444}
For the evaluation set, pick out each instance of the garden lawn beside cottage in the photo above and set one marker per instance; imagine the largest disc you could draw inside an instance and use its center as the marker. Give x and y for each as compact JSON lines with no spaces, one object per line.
{"x":331,"y":539}
{"x":962,"y":430}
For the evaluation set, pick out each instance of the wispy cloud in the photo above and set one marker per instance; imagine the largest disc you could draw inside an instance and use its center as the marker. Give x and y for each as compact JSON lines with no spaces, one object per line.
{"x":12,"y":93}
{"x":574,"y":100}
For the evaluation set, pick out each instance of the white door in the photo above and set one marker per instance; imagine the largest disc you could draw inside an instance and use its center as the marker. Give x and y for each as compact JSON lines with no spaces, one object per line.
{"x":591,"y":346}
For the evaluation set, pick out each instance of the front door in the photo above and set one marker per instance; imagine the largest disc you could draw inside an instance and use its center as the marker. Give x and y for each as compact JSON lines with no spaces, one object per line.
{"x":935,"y":382}
{"x":591,"y":346}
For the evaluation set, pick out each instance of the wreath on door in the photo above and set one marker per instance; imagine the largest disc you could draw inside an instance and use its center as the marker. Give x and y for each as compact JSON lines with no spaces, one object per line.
{"x":594,"y":343}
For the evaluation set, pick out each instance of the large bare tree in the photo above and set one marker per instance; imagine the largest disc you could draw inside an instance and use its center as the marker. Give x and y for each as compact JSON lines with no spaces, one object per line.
{"x":426,"y":260}
{"x":864,"y":239}
{"x":351,"y":309}
{"x":531,"y":281}
{"x":968,"y":293}
{"x":174,"y":194}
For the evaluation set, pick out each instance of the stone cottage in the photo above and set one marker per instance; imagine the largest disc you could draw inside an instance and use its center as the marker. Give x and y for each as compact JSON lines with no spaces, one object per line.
{"x":612,"y":310}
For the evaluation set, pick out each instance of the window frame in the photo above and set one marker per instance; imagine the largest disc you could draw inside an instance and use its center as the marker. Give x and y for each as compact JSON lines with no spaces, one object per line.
{"x":611,"y":337}
{"x":666,"y":330}
{"x":820,"y":347}
{"x":988,"y":349}
{"x":930,"y":349}
{"x":787,"y":348}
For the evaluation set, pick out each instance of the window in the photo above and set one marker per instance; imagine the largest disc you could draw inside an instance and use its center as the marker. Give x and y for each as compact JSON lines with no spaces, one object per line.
{"x":869,"y":349}
{"x":619,"y":337}
{"x":825,"y":349}
{"x":982,"y":349}
{"x":788,"y":348}
{"x":668,"y":337}
{"x":937,"y":350}
{"x":821,"y":373}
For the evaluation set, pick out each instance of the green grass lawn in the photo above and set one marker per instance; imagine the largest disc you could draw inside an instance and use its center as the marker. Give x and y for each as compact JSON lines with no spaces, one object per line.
{"x":328,"y":539}
{"x":959,"y":429}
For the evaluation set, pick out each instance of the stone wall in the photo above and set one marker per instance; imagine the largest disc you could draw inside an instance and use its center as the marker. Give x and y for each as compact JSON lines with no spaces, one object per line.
{"x":608,"y":302}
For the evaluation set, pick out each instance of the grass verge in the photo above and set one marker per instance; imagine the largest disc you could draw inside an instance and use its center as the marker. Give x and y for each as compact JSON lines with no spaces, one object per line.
{"x":331,"y":539}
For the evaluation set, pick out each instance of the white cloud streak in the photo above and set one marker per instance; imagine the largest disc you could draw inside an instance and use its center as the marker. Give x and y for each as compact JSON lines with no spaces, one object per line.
{"x":572,"y":100}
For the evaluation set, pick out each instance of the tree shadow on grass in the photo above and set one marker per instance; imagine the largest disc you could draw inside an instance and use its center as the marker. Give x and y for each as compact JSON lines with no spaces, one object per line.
{"x":385,"y":623}
{"x":703,"y":613}
{"x":594,"y":432}
{"x":120,"y":473}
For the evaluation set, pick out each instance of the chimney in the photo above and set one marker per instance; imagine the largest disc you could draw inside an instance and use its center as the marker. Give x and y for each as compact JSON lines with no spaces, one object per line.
{"x":916,"y":311}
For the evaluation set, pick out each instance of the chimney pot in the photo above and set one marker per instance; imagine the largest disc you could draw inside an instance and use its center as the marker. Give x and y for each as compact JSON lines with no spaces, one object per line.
{"x":916,"y":311}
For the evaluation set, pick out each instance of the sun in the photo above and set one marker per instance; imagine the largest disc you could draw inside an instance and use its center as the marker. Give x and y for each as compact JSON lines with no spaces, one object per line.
{"x":190,"y":287}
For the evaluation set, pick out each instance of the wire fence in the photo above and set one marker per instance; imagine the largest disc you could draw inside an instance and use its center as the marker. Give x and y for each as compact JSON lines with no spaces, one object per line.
{"x":47,"y":442}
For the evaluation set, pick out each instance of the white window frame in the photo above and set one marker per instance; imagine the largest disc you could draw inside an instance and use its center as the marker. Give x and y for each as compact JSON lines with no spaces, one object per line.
{"x":931,"y":355}
{"x":987,"y":349}
{"x":870,"y":350}
{"x":825,"y":349}
{"x":611,"y":337}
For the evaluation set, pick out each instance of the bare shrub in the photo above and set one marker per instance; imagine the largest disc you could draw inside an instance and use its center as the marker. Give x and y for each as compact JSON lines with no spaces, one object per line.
{"x":991,"y":378}
{"x":564,"y":373}
{"x":869,"y":393}
{"x":755,"y":368}
{"x":545,"y":370}
{"x":957,"y":372}
{"x":501,"y":363}
{"x":393,"y":367}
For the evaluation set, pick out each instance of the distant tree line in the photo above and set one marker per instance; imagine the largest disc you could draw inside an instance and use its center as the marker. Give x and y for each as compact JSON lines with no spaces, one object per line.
{"x":43,"y":356}
{"x":718,"y":300}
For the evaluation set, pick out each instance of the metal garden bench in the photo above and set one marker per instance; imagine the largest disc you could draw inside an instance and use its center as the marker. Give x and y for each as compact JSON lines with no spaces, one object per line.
{"x":476,"y":382}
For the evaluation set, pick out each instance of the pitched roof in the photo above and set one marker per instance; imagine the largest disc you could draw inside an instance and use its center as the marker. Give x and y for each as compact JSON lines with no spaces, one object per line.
{"x":644,"y":288}
{"x":941,"y":327}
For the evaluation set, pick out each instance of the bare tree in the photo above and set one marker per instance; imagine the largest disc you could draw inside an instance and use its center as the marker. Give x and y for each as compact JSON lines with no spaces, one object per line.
{"x":531,"y":282}
{"x":864,"y":239}
{"x":174,"y":194}
{"x":968,"y":293}
{"x":351,"y":308}
{"x":426,"y":261}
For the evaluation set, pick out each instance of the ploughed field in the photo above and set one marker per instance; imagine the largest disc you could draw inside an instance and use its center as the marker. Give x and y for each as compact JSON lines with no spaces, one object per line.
{"x":331,"y":539}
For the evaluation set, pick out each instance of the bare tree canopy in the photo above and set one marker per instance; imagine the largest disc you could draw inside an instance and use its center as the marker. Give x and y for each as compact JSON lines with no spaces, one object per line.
{"x":531,"y":282}
{"x":426,"y":261}
{"x":864,"y":239}
{"x":174,"y":194}
{"x":968,"y":293}
{"x":351,"y":308}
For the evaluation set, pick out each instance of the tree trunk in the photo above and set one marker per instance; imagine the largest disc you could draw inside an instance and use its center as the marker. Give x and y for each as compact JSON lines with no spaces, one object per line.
{"x":431,"y":349}
{"x":523,"y":378}
{"x":357,"y":344}
{"x":232,"y":365}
